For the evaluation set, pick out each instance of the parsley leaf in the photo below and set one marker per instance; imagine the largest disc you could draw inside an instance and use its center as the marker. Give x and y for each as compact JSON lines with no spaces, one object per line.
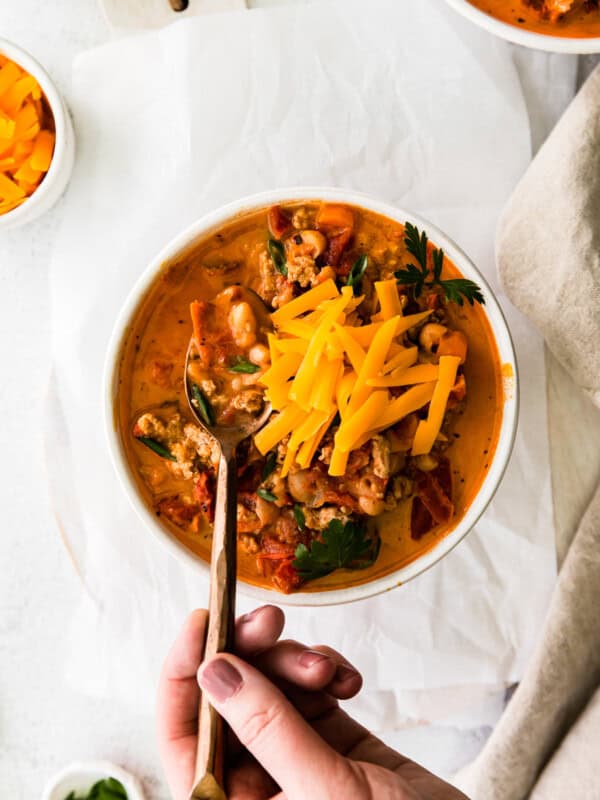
{"x":277,"y":253}
{"x":203,"y":405}
{"x":355,"y":276}
{"x":157,"y":447}
{"x":416,"y":244}
{"x":461,"y":289}
{"x":108,"y":789}
{"x":344,"y":545}
{"x":266,"y":495}
{"x":299,"y":517}
{"x":243,"y":365}
{"x":455,"y":291}
{"x":269,"y":467}
{"x":411,"y":276}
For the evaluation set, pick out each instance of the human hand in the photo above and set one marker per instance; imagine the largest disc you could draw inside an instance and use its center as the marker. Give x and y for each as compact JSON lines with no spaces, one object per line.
{"x":296,"y":742}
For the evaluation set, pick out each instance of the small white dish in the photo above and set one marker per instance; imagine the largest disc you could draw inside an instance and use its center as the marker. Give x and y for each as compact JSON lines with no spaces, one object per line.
{"x":505,"y":349}
{"x":80,"y":776}
{"x":61,"y":167}
{"x":527,"y":38}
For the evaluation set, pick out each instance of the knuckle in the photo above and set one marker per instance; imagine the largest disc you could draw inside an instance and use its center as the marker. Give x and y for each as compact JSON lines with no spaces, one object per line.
{"x":261,"y":726}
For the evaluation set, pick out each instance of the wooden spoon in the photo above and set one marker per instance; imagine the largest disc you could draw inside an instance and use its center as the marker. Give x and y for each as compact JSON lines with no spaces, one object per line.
{"x":210,"y":758}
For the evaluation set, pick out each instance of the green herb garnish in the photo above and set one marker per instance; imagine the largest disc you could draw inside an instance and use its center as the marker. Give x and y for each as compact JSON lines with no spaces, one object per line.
{"x":243,"y":365}
{"x":269,"y":467}
{"x":203,"y":405}
{"x":299,"y":517}
{"x":277,"y":253}
{"x":157,"y":447}
{"x":455,"y":291}
{"x":355,"y":276}
{"x":344,"y":545}
{"x":266,"y":495}
{"x":108,"y":789}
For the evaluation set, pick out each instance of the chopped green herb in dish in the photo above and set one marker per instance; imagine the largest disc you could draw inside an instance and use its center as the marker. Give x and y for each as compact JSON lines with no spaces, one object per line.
{"x":106,"y":789}
{"x":344,"y":546}
{"x":455,"y":291}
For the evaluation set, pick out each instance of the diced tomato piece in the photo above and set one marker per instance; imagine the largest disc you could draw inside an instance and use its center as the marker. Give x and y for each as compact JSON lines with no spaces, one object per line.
{"x":285,"y":578}
{"x":205,"y":494}
{"x":335,"y":249}
{"x":432,"y":504}
{"x":337,"y":222}
{"x":178,"y":511}
{"x":137,"y":431}
{"x":421,"y":521}
{"x":272,"y":546}
{"x":435,"y":499}
{"x":340,"y":499}
{"x":279,"y":222}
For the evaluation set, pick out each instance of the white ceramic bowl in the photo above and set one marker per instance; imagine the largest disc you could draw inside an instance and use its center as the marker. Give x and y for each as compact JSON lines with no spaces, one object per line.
{"x":81,"y":776}
{"x":537,"y":41}
{"x":59,"y":173}
{"x":505,"y":348}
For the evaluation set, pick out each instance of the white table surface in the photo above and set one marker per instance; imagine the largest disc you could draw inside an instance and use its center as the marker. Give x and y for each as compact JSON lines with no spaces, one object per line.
{"x":43,"y":724}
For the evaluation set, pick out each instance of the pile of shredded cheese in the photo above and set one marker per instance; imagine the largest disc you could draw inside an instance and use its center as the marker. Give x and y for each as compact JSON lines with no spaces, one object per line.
{"x":26,"y":141}
{"x":321,"y":366}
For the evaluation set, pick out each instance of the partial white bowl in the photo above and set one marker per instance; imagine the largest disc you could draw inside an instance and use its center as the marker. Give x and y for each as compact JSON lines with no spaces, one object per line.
{"x":537,"y":41}
{"x":82,"y":775}
{"x":503,"y":341}
{"x":61,"y":167}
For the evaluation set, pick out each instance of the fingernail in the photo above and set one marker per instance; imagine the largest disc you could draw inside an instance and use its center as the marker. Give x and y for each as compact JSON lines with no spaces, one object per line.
{"x":250,"y":615}
{"x":309,"y":658}
{"x":344,"y":673}
{"x":220,"y":679}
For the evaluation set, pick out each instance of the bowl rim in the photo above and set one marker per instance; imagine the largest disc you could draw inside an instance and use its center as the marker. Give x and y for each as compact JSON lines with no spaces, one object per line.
{"x":26,"y":211}
{"x":527,"y":38}
{"x":498,"y":325}
{"x":103,"y":769}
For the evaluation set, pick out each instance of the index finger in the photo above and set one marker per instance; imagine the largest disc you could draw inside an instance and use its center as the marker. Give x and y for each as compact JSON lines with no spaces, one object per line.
{"x":179,"y":694}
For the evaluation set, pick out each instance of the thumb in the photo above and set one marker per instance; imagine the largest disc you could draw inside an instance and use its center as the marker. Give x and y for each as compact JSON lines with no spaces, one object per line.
{"x":270,"y":728}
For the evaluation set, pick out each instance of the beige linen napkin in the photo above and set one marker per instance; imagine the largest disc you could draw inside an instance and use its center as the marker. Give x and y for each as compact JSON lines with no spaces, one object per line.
{"x":548,"y":254}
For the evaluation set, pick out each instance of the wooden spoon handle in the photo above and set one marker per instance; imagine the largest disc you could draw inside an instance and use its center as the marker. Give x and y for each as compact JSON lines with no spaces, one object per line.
{"x":210,"y":758}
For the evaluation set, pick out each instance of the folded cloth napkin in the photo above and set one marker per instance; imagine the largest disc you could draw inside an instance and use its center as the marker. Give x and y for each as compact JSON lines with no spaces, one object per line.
{"x":548,"y":254}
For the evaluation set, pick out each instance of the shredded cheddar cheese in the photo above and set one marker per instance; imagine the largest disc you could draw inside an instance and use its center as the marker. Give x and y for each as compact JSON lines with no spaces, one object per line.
{"x":26,"y":137}
{"x":323,"y":364}
{"x":429,"y":428}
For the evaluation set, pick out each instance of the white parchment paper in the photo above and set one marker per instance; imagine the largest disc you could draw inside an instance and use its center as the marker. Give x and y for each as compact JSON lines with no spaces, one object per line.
{"x":402,"y":100}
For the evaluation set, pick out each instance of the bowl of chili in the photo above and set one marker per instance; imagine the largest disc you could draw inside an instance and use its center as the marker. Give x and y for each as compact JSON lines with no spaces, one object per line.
{"x":323,"y":516}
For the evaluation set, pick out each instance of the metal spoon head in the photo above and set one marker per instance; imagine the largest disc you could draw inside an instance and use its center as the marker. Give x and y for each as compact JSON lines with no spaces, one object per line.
{"x":246,"y":423}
